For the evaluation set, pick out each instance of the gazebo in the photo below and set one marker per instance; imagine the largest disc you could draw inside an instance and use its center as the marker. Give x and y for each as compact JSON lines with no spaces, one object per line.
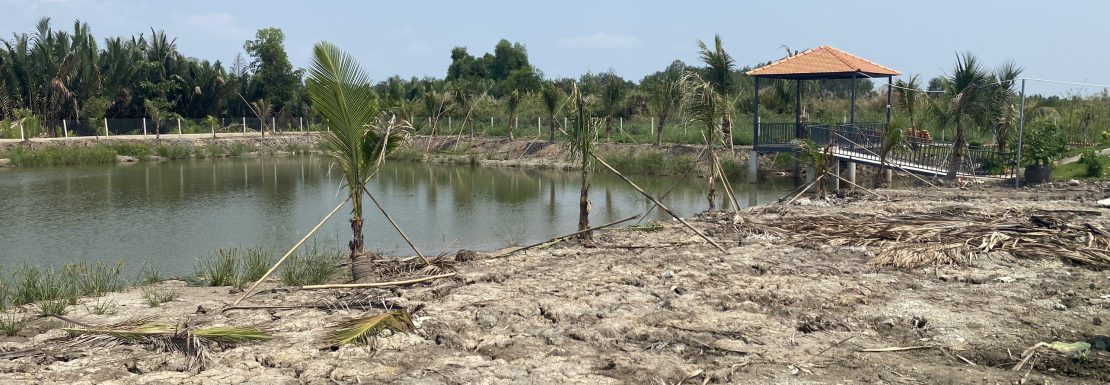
{"x":820,"y":63}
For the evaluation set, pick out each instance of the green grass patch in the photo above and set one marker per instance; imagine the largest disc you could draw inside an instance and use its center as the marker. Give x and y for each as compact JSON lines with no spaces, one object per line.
{"x":312,"y":267}
{"x":648,"y":162}
{"x":174,"y":151}
{"x":60,"y":156}
{"x":234,"y":267}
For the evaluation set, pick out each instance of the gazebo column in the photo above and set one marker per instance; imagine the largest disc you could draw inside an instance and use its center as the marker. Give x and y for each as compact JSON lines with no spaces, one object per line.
{"x":853,"y":108}
{"x":798,"y":132}
{"x":889,"y":98}
{"x":753,"y":155}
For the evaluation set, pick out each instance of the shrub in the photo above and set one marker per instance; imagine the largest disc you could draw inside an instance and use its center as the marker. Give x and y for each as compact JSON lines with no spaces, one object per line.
{"x":1094,"y":164}
{"x":129,"y":149}
{"x":175,"y":151}
{"x":1043,"y":142}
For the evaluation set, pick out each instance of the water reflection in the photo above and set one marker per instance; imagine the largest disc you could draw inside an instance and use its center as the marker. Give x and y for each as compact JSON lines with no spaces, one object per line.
{"x":173,"y":212}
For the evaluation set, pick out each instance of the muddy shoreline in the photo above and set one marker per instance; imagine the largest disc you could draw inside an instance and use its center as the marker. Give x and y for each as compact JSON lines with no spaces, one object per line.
{"x":657,"y":306}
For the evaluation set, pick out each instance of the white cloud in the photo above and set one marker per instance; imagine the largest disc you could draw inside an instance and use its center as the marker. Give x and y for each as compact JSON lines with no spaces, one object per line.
{"x":600,"y":40}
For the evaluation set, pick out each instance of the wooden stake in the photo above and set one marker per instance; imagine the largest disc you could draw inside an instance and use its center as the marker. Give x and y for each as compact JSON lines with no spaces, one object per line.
{"x":376,"y":284}
{"x":290,"y":252}
{"x":657,"y":203}
{"x":396,"y":227}
{"x":560,"y":238}
{"x":812,"y":183}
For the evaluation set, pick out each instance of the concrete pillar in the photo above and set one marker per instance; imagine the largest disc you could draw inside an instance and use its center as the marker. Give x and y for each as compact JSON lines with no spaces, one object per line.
{"x":852,"y":172}
{"x":835,"y":171}
{"x":796,"y":170}
{"x":753,"y":167}
{"x":809,"y":173}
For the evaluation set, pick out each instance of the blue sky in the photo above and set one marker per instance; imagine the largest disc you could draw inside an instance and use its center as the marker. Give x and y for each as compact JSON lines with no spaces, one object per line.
{"x":1055,"y":40}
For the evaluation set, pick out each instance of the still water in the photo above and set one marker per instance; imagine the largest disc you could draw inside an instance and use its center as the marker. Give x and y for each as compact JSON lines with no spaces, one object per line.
{"x":172,"y":213}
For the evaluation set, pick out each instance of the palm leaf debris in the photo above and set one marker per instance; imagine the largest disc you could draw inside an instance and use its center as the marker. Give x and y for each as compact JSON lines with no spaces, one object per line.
{"x":362,"y":331}
{"x":954,"y":236}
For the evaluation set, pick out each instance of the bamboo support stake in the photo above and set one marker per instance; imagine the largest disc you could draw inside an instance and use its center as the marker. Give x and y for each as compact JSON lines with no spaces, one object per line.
{"x":727,"y":186}
{"x":656,"y":201}
{"x":290,"y":252}
{"x":673,"y":186}
{"x":560,"y":238}
{"x":396,"y":227}
{"x":377,"y":284}
{"x":808,"y":186}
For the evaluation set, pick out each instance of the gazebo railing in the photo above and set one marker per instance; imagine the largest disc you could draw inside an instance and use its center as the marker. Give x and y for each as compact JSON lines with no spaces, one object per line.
{"x":920,"y":153}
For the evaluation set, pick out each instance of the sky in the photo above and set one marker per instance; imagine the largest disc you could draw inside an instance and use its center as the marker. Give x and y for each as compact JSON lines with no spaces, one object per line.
{"x":1059,"y":40}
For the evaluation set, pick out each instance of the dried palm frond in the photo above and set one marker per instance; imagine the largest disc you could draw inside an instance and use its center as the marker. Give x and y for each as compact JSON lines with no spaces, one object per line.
{"x":362,"y":331}
{"x":165,"y":337}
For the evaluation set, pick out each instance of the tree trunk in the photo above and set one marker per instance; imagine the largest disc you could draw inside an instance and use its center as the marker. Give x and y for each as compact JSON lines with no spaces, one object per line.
{"x":957,"y":152}
{"x":553,"y":123}
{"x":511,"y":126}
{"x":659,"y":130}
{"x":361,"y":268}
{"x":584,"y":209}
{"x":726,"y":129}
{"x":711,"y":196}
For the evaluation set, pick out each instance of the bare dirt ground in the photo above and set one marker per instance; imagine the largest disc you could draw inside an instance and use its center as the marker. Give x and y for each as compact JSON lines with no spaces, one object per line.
{"x":657,"y":307}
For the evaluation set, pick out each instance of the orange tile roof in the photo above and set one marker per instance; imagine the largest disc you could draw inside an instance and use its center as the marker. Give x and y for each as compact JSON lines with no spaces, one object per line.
{"x":822,"y":60}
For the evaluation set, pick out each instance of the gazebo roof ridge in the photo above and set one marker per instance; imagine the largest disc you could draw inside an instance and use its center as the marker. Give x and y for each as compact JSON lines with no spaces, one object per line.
{"x":822,"y":62}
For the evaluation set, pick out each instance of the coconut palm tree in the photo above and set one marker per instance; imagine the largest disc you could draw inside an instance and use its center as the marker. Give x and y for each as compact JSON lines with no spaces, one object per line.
{"x":664,"y":97}
{"x":906,"y":92}
{"x":613,"y":95}
{"x":552,"y":100}
{"x":704,"y":106}
{"x":893,"y":139}
{"x":719,"y":67}
{"x":341,"y":95}
{"x":1003,"y":107}
{"x":582,"y":134}
{"x":966,"y":103}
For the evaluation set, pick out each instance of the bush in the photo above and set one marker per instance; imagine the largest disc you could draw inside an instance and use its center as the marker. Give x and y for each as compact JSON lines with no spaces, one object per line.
{"x":1094,"y":164}
{"x":60,"y":156}
{"x":1043,"y":142}
{"x":235,"y":267}
{"x":175,"y":151}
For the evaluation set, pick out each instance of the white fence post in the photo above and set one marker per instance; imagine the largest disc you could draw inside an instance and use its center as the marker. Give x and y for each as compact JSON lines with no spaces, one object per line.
{"x":653,"y":125}
{"x":213,"y":131}
{"x":105,"y":128}
{"x":449,"y":129}
{"x":273,"y":123}
{"x":65,"y":128}
{"x":22,"y":135}
{"x":179,"y":133}
{"x":244,"y":125}
{"x":300,"y":122}
{"x":564,"y":122}
{"x":144,"y":128}
{"x":539,"y":132}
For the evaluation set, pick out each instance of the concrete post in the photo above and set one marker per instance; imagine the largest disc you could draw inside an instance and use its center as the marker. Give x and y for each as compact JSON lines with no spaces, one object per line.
{"x":144,"y":128}
{"x":179,"y":133}
{"x":539,"y":128}
{"x":22,"y":134}
{"x":852,"y":173}
{"x":652,"y":126}
{"x":65,"y":129}
{"x":753,"y":167}
{"x":809,"y":173}
{"x":106,"y":128}
{"x":244,"y":125}
{"x":449,"y":129}
{"x":273,"y":123}
{"x":835,"y":171}
{"x":300,"y":122}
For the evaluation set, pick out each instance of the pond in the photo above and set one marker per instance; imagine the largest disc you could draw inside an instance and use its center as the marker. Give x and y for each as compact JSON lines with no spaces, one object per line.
{"x":170,"y":214}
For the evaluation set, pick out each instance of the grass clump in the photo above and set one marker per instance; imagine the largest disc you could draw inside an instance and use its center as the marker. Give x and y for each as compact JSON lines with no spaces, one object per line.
{"x":648,"y":162}
{"x":314,"y":267}
{"x":53,"y":306}
{"x":150,"y":275}
{"x":156,"y":296}
{"x":102,"y":306}
{"x":174,"y":151}
{"x":238,"y":149}
{"x":60,"y":156}
{"x":11,"y":324}
{"x":406,"y":154}
{"x":32,"y":285}
{"x":95,"y":279}
{"x":234,"y":267}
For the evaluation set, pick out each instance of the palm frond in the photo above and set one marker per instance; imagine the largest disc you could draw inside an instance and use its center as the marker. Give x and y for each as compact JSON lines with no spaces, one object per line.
{"x":362,"y":331}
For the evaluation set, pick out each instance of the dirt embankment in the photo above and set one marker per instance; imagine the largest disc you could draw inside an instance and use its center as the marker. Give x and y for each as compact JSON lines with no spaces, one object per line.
{"x":638,"y":307}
